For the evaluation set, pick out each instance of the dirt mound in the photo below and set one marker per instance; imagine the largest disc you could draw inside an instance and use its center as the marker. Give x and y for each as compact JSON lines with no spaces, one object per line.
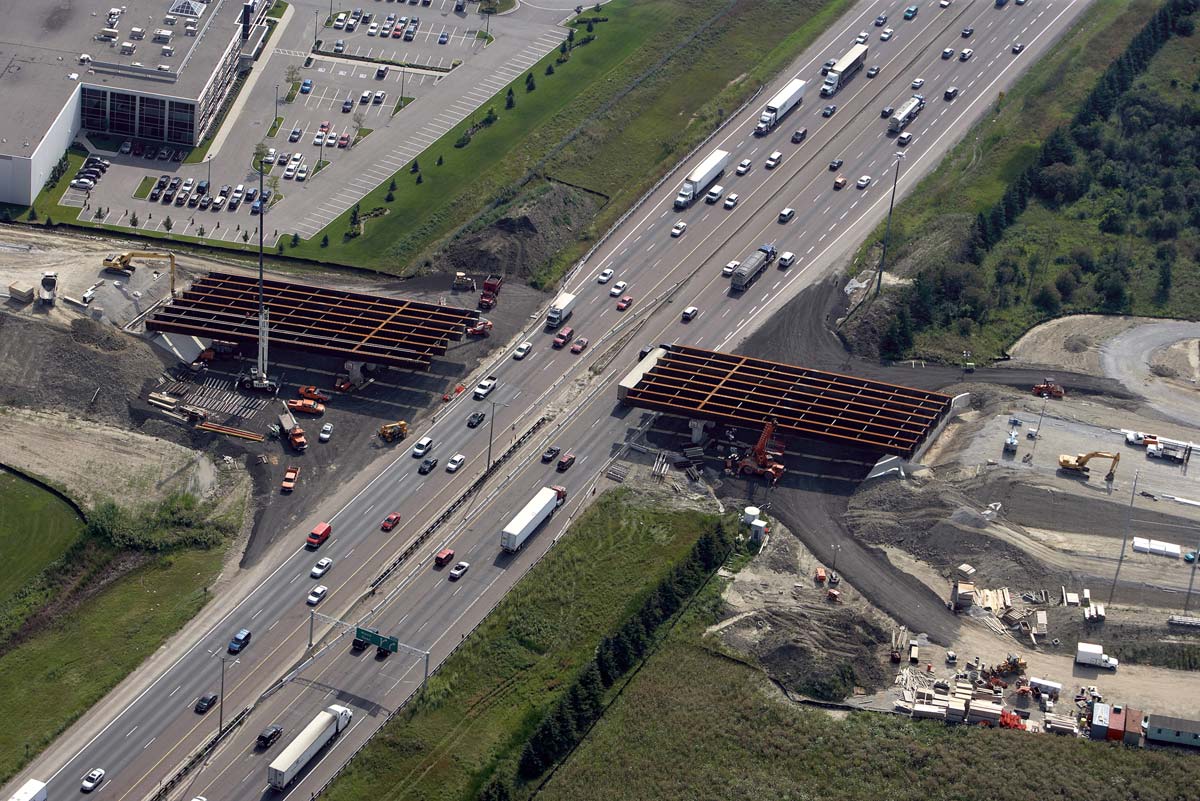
{"x":42,"y":366}
{"x":1077,"y":343}
{"x":521,"y":237}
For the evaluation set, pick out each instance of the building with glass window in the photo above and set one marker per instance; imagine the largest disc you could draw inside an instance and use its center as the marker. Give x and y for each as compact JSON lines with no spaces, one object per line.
{"x":152,"y":70}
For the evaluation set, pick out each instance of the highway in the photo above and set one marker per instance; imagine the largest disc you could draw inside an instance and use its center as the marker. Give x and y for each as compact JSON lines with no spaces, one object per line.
{"x":141,"y":743}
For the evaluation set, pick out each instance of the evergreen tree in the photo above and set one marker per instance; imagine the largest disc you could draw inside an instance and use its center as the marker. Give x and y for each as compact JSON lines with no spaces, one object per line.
{"x":591,"y":690}
{"x":606,"y":663}
{"x":530,"y":764}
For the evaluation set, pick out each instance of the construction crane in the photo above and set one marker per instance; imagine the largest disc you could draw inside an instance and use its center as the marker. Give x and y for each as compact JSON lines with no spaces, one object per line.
{"x":122,"y":263}
{"x":1078,"y":464}
{"x":759,"y":461}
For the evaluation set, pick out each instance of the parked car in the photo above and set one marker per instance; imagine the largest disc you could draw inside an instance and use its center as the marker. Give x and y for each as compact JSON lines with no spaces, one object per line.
{"x":306,"y":86}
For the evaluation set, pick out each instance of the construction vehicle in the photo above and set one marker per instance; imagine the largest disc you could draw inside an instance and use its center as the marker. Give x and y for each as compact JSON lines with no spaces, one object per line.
{"x":122,"y":263}
{"x":759,"y":461}
{"x":357,"y":376}
{"x":482,"y":328}
{"x":390,"y":432}
{"x":1168,"y":449}
{"x":819,"y":575}
{"x":48,"y":290}
{"x":210,"y":354}
{"x":1048,"y":389}
{"x":833,"y":595}
{"x":296,"y":438}
{"x":898,"y":638}
{"x":463,"y":281}
{"x":1078,"y":464}
{"x":312,"y":393}
{"x":289,"y":478}
{"x":491,"y":291}
{"x":1010,"y":442}
{"x":306,"y":407}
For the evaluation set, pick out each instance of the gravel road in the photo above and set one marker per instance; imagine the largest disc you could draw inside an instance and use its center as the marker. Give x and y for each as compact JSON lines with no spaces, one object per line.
{"x":1126,"y":358}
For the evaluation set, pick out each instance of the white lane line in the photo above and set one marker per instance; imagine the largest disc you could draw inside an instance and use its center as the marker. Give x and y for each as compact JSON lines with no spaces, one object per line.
{"x":256,"y":614}
{"x":147,"y":745}
{"x":131,"y":731}
{"x":177,"y":689}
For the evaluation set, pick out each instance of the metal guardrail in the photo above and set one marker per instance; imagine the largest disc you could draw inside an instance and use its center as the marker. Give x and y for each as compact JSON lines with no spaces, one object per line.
{"x":164,"y":789}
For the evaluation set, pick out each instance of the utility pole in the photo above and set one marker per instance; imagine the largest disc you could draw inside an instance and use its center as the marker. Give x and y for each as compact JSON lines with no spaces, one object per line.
{"x":1124,"y":539}
{"x":1187,"y":599}
{"x":221,"y":699}
{"x":492,"y":431}
{"x":887,"y":231}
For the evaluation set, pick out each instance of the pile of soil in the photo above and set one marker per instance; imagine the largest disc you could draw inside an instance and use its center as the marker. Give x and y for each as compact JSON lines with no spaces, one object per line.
{"x":521,"y":237}
{"x":43,"y":366}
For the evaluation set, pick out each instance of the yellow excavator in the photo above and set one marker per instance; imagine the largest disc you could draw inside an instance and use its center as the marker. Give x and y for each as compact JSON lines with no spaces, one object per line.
{"x":1078,"y":464}
{"x":122,"y":263}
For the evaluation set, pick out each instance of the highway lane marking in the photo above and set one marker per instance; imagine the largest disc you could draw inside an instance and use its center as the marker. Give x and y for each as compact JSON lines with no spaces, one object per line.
{"x":347,"y":556}
{"x":593,"y":425}
{"x":827,"y":208}
{"x":248,"y":776}
{"x":293,"y":580}
{"x":273,"y":625}
{"x":777,"y":283}
{"x":177,"y":689}
{"x":368,"y":511}
{"x":131,"y":731}
{"x":423,"y":625}
{"x":726,"y":312}
{"x":514,"y":397}
{"x":256,"y":614}
{"x":652,"y":244}
{"x":457,"y":591}
{"x":147,"y":745}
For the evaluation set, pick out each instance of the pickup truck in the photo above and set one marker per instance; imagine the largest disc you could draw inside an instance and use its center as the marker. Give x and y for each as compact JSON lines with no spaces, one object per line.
{"x":485,"y":387}
{"x":289,"y":479}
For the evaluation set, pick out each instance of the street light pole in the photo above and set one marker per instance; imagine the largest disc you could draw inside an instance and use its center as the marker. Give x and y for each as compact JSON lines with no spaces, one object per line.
{"x":887,"y":231}
{"x":208,"y":163}
{"x":402,"y":88}
{"x":276,"y":106}
{"x":221,"y":703}
{"x":492,"y":430}
{"x":316,"y":26}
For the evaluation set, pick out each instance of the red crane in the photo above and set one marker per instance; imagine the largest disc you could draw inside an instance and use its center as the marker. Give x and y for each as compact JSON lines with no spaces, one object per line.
{"x":760,"y":461}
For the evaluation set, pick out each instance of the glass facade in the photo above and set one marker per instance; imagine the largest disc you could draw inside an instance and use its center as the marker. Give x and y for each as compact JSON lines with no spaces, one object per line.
{"x":181,"y":124}
{"x":152,"y":118}
{"x":94,"y":109}
{"x":122,"y":113}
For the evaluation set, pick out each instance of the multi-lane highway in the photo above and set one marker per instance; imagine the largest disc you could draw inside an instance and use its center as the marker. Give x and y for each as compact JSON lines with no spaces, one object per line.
{"x":141,"y":742}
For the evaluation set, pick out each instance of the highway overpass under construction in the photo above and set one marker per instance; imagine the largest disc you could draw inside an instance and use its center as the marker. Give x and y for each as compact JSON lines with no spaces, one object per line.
{"x":742,"y":391}
{"x":329,"y":322}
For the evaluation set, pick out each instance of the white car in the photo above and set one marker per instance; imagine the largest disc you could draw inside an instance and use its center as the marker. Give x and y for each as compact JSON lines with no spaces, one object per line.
{"x":522,"y":350}
{"x":604,"y":277}
{"x":863,"y":182}
{"x":458,"y":570}
{"x":966,"y":54}
{"x":317,"y":595}
{"x":83,"y":183}
{"x":731,"y":200}
{"x":944,"y":4}
{"x":423,"y":446}
{"x":302,"y":173}
{"x":678,"y":228}
{"x":728,"y":269}
{"x":92,"y":780}
{"x":321,"y":567}
{"x":787,"y":259}
{"x":787,"y":214}
{"x":744,"y":166}
{"x":297,"y":157}
{"x":904,"y":138}
{"x":373,"y":29}
{"x":456,"y":461}
{"x":774,"y":160}
{"x":326,"y":432}
{"x":862,"y":37}
{"x":918,"y":83}
{"x":886,"y":34}
{"x":270,"y":157}
{"x":289,"y":171}
{"x":618,"y":289}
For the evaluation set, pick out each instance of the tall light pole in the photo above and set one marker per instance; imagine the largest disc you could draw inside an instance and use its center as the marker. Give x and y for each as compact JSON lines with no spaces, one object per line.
{"x":492,"y":431}
{"x":402,"y":88}
{"x":316,"y":27}
{"x":887,"y":231}
{"x":208,"y":163}
{"x":276,"y":107}
{"x":221,"y":697}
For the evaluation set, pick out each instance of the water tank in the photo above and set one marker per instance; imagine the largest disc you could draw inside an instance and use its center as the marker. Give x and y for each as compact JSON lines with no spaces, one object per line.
{"x":750,"y":514}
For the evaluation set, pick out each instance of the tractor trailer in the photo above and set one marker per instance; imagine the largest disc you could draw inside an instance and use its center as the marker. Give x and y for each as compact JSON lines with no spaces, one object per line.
{"x":560,"y":310}
{"x":907,"y":112}
{"x":328,"y":724}
{"x":1089,"y":653}
{"x":536,"y":512}
{"x":32,"y":790}
{"x":846,"y":66}
{"x":788,"y":98}
{"x":751,"y":268}
{"x":697,"y":183}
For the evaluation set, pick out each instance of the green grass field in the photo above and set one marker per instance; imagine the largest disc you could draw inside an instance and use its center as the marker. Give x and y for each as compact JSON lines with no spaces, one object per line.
{"x":35,"y":530}
{"x":143,"y":190}
{"x":480,"y":705}
{"x":697,"y":725}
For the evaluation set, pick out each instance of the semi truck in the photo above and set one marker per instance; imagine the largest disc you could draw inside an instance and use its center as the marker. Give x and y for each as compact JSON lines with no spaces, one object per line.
{"x":32,"y":790}
{"x":751,"y":268}
{"x":695,"y":185}
{"x":536,"y":512}
{"x":328,"y":724}
{"x":777,"y":108}
{"x":560,"y":310}
{"x":846,"y":66}
{"x":907,"y":112}
{"x":1089,"y":653}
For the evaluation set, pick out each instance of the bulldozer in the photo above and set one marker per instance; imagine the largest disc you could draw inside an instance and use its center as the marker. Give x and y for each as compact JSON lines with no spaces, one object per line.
{"x":1078,"y":464}
{"x":122,"y":263}
{"x":463,"y":281}
{"x":390,"y":432}
{"x":759,"y":461}
{"x":1049,"y":389}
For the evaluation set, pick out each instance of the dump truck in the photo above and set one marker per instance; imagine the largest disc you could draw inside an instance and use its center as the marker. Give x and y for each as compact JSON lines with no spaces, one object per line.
{"x":491,"y":290}
{"x":306,"y":406}
{"x":526,"y":521}
{"x":288,"y":429}
{"x":751,"y":268}
{"x":698,"y":181}
{"x":390,"y":432}
{"x":327,"y":725}
{"x":907,"y":112}
{"x":289,"y":478}
{"x":846,"y":66}
{"x":778,"y":106}
{"x":560,"y":310}
{"x":32,"y":790}
{"x":1089,"y":653}
{"x":485,"y":387}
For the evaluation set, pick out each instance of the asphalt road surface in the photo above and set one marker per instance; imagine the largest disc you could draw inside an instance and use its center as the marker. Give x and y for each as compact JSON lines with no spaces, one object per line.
{"x":141,"y":743}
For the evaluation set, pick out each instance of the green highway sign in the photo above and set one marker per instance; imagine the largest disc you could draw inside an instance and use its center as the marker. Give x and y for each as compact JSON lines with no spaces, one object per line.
{"x":375,"y":638}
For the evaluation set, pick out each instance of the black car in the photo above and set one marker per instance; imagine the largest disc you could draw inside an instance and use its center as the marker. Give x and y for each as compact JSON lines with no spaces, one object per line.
{"x":475,"y":419}
{"x":381,"y":652}
{"x":155,"y":194}
{"x":551,"y":453}
{"x":827,"y":66}
{"x":175,"y":182}
{"x":93,"y":161}
{"x":799,"y":136}
{"x":427,"y":465}
{"x":206,"y":702}
{"x":269,"y":735}
{"x":835,"y":165}
{"x":163,"y":180}
{"x":886,"y":112}
{"x":202,"y":188}
{"x":239,"y":641}
{"x":967,"y":33}
{"x":358,"y":644}
{"x":828,"y":111}
{"x":347,"y":106}
{"x":872,"y":72}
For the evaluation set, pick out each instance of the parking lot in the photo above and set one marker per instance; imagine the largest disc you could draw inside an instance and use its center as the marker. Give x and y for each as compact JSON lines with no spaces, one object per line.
{"x":441,"y":36}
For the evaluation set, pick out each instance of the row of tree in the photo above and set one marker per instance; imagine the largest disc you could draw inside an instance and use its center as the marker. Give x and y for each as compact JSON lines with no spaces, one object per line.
{"x":566,"y":723}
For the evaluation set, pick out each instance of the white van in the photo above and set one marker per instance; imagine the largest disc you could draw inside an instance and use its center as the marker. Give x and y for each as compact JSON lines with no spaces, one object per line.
{"x":714,"y":194}
{"x":423,"y":446}
{"x":340,"y":22}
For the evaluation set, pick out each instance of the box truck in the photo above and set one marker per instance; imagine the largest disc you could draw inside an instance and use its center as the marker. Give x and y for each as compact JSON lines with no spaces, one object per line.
{"x":701,"y":178}
{"x":1089,"y":653}
{"x":328,"y":724}
{"x":778,"y":106}
{"x":560,"y":310}
{"x":536,"y":512}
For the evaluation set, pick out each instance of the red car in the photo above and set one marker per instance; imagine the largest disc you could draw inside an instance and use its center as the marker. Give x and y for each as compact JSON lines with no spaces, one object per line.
{"x":391,"y":521}
{"x":324,"y":126}
{"x":344,"y":140}
{"x":624,"y":303}
{"x":579,"y":345}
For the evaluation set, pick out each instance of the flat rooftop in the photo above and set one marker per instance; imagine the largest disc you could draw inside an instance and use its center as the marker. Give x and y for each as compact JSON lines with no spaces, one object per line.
{"x":40,"y":46}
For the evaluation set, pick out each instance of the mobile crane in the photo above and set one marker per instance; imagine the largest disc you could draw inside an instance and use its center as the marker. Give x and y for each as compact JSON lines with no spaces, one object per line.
{"x":759,"y":461}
